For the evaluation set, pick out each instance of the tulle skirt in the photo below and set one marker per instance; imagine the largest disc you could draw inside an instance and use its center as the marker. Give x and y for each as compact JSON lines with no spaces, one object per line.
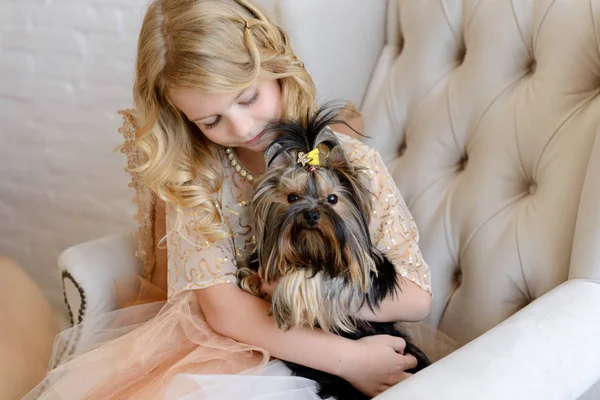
{"x":156,"y":349}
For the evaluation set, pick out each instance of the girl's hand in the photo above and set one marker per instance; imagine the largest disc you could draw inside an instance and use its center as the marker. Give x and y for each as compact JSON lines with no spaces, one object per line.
{"x":377,"y":364}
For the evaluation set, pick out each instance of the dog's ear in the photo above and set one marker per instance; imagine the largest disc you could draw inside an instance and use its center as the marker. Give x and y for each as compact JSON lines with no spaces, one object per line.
{"x":270,"y":153}
{"x":338,"y":159}
{"x":274,"y":157}
{"x":332,"y":152}
{"x":326,"y":137}
{"x":327,"y":143}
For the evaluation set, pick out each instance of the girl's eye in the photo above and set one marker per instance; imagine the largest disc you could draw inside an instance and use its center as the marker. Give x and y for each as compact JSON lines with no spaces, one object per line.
{"x":247,"y":103}
{"x":332,"y":199}
{"x":213,"y":124}
{"x":292,"y":198}
{"x":250,"y":101}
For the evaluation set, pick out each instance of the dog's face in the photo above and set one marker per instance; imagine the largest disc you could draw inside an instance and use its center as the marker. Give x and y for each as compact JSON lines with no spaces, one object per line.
{"x":311,"y":226}
{"x":305,"y":217}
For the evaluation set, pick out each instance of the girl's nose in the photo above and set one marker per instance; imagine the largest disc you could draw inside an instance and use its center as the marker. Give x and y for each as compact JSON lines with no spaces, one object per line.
{"x":241,"y":124}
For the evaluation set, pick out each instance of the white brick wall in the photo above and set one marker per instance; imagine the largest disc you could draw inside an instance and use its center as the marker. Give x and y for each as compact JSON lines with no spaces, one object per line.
{"x":66,"y":67}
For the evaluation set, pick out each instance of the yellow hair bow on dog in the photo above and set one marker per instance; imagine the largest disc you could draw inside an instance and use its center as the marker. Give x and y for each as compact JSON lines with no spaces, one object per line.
{"x":311,"y":158}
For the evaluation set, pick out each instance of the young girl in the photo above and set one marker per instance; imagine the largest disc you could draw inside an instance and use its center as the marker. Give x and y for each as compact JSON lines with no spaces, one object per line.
{"x":211,"y":74}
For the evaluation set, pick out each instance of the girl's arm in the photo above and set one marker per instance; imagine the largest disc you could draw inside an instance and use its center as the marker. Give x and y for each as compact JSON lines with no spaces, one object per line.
{"x":411,"y":304}
{"x":395,"y":234}
{"x":371,"y":364}
{"x":241,"y":316}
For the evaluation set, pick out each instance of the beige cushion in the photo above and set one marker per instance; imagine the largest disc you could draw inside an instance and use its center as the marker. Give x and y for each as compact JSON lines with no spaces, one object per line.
{"x":28,"y":326}
{"x":487,"y":112}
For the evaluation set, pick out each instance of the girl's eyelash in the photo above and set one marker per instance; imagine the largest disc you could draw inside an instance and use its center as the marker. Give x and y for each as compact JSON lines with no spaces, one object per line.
{"x":251,"y":101}
{"x":248,"y":103}
{"x":213,"y":124}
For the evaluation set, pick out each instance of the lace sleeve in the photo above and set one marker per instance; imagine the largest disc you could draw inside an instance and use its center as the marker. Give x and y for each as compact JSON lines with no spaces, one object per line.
{"x":195,"y":262}
{"x":393,"y":229}
{"x":144,"y":198}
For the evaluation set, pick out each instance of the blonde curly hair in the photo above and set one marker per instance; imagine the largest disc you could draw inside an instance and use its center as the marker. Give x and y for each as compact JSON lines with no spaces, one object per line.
{"x":217,"y":46}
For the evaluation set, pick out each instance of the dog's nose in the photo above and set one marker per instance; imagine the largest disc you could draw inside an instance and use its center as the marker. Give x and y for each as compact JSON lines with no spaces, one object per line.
{"x":311,"y":217}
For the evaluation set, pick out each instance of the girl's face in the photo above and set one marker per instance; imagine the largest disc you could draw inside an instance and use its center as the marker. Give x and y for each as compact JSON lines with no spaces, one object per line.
{"x":236,"y":119}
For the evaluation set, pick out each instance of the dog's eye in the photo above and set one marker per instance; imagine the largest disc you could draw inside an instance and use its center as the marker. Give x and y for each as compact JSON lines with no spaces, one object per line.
{"x":332,"y":199}
{"x":292,"y":198}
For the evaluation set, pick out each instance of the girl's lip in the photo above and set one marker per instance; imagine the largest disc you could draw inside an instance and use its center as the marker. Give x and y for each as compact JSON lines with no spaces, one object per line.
{"x":256,"y":138}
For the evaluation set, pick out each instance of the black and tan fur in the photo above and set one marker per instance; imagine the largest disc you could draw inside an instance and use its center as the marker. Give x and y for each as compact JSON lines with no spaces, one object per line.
{"x":312,"y":232}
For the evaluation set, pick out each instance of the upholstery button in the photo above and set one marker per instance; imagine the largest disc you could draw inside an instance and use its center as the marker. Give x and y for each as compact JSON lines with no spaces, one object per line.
{"x":532,"y":66}
{"x":462,"y":163}
{"x":402,"y":149}
{"x":462,"y":53}
{"x":532,"y":188}
{"x":458,"y":277}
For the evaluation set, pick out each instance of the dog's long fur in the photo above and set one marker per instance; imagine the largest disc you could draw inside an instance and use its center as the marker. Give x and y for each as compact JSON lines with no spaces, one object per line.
{"x":312,"y":232}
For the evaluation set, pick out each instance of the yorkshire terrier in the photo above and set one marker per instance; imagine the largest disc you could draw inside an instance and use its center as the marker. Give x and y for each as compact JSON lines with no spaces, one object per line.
{"x":311,"y":213}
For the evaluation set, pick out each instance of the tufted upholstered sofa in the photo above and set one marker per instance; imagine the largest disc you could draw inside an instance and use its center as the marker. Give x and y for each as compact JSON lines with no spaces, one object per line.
{"x":487,"y":113}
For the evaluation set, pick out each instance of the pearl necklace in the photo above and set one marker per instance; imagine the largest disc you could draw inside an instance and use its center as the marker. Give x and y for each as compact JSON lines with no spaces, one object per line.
{"x":235,"y":164}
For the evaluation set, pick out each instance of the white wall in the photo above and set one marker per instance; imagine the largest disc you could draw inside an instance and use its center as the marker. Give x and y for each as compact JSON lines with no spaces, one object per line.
{"x":66,"y":67}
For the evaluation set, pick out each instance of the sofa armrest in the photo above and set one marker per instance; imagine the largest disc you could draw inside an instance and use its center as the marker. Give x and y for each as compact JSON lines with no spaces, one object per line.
{"x":89,"y":272}
{"x":548,"y":350}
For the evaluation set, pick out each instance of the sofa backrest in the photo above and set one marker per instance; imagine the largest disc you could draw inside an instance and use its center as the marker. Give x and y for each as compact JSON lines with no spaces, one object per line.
{"x":487,"y":114}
